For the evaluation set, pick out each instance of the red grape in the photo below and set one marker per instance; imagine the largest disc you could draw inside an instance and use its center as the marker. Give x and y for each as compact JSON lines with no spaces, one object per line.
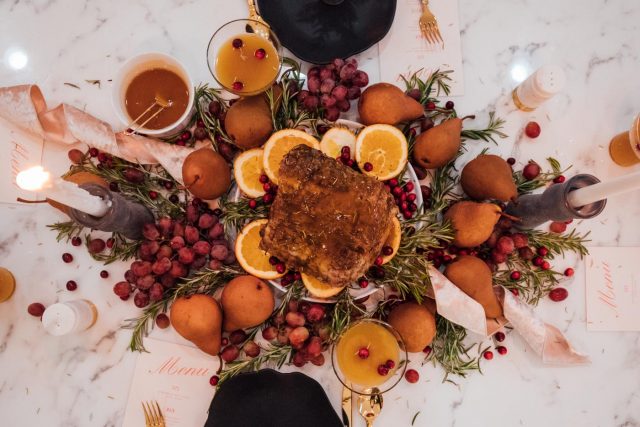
{"x":35,"y":309}
{"x":315,"y":313}
{"x":186,"y":255}
{"x":156,"y":291}
{"x":412,"y":376}
{"x":178,"y":269}
{"x":129,"y":276}
{"x":298,"y":359}
{"x":531,"y":171}
{"x":161,"y":266}
{"x":415,"y":94}
{"x":313,"y":72}
{"x":162,"y":321}
{"x":498,"y":257}
{"x":96,"y":246}
{"x":192,"y":214}
{"x":532,"y":130}
{"x":230,"y":353}
{"x":177,"y":242}
{"x":326,"y":73}
{"x":314,"y":347}
{"x":558,"y":227}
{"x":150,"y":232}
{"x":295,"y":319}
{"x":191,"y":234}
{"x":348,"y":72}
{"x":327,"y":101}
{"x":219,"y":252}
{"x":283,"y":335}
{"x":354,"y":92}
{"x":338,"y":63}
{"x":251,"y":349}
{"x":520,"y":240}
{"x":313,"y":84}
{"x":145,"y":282}
{"x":215,"y":264}
{"x":318,"y":360}
{"x":216,"y":231}
{"x":332,"y":114}
{"x":141,"y":299}
{"x":141,"y":268}
{"x":327,"y":86}
{"x":339,"y":92}
{"x":164,"y":252}
{"x":526,"y":253}
{"x":302,"y":95}
{"x":505,"y":245}
{"x":343,"y":105}
{"x":149,"y":247}
{"x":352,"y":61}
{"x":298,"y":336}
{"x":361,"y":79}
{"x":167,"y":281}
{"x":237,"y":337}
{"x":270,"y":333}
{"x":311,"y":102}
{"x":201,"y":247}
{"x":558,"y":294}
{"x":206,"y":221}
{"x":178,"y":229}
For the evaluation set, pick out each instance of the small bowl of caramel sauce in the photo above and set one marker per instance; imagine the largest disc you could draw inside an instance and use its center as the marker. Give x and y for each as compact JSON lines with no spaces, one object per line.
{"x":145,"y":78}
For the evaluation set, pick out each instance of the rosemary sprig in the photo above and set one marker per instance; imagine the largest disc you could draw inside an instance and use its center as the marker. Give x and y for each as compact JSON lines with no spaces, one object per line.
{"x":205,"y":281}
{"x":294,"y":292}
{"x":274,"y":355}
{"x":526,"y":186}
{"x":66,"y":230}
{"x":443,"y":184}
{"x":213,"y":125}
{"x":533,"y":285}
{"x":437,"y":80}
{"x":559,"y":243}
{"x":408,"y":271}
{"x":236,"y":214}
{"x":343,"y":312}
{"x":489,"y":133}
{"x":122,"y":249}
{"x":449,"y":350}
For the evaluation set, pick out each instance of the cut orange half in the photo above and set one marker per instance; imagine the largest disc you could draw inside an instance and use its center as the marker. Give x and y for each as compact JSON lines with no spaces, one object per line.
{"x":336,"y":138}
{"x":254,"y":260}
{"x":393,"y":241}
{"x":318,"y":288}
{"x":247,"y":169}
{"x":279,"y":144}
{"x":384,"y":148}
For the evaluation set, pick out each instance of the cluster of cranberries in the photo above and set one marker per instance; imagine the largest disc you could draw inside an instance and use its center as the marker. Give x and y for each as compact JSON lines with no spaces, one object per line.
{"x":404,"y":196}
{"x":172,"y":249}
{"x":501,"y":349}
{"x":332,"y":87}
{"x":271,"y":190}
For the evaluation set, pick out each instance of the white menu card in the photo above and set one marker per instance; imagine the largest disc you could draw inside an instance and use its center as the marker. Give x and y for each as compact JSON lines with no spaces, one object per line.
{"x":404,"y":50}
{"x":613,"y":289}
{"x":177,"y":377}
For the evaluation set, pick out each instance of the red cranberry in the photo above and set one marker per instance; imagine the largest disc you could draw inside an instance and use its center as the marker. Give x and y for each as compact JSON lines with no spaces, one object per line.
{"x":267,"y":198}
{"x":383,"y":370}
{"x":569,"y":272}
{"x":427,"y":350}
{"x":224,"y":341}
{"x":387,"y":250}
{"x":363,"y":353}
{"x":412,"y":376}
{"x":162,"y":321}
{"x":368,"y":167}
{"x":515,"y":275}
{"x":237,"y":43}
{"x":502,"y":350}
{"x":558,"y":294}
{"x":393,"y":182}
{"x":499,"y":336}
{"x":238,"y":85}
{"x":281,"y":268}
{"x":558,"y":227}
{"x":542,"y":251}
{"x":260,"y":53}
{"x":153,"y":195}
{"x":93,"y":152}
{"x":363,"y":283}
{"x":214,"y":380}
{"x":545,"y":265}
{"x":378,"y":260}
{"x":390,"y":364}
{"x":122,"y":289}
{"x":514,"y":291}
{"x":35,"y":309}
{"x":67,"y":257}
{"x":253,"y":204}
{"x":449,"y":105}
{"x":559,"y":179}
{"x":532,"y":130}
{"x":488,"y":355}
{"x":415,"y":94}
{"x":511,"y":161}
{"x":104,"y":274}
{"x":531,"y":171}
{"x":538,"y":261}
{"x":431,"y":105}
{"x":76,"y":241}
{"x":72,"y":285}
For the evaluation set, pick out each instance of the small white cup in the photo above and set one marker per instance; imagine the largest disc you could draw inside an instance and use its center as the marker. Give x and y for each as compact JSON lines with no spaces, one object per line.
{"x":132,"y":68}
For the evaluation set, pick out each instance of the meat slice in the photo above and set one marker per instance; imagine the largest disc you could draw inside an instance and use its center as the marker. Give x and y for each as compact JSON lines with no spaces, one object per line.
{"x":327,"y":220}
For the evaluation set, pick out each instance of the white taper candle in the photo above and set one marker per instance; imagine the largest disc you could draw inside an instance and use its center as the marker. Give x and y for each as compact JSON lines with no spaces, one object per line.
{"x":602,"y":190}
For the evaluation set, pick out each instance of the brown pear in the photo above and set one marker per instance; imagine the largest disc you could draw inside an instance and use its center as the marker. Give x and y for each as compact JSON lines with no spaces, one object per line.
{"x":206,"y":174}
{"x":198,"y":318}
{"x":384,"y":103}
{"x":439,"y":145}
{"x":415,"y":323}
{"x":473,"y":222}
{"x":248,"y":121}
{"x":488,"y":177}
{"x":473,"y":277}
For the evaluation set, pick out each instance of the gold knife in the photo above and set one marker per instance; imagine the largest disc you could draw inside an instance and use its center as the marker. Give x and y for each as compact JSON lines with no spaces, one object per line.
{"x":347,"y":406}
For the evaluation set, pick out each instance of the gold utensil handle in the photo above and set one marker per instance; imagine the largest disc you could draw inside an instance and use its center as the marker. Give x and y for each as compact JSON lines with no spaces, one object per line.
{"x":253,"y":12}
{"x":369,"y":422}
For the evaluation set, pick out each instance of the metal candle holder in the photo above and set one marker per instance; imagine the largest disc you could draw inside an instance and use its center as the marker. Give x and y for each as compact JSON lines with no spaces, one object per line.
{"x":553,"y":204}
{"x":124,"y":216}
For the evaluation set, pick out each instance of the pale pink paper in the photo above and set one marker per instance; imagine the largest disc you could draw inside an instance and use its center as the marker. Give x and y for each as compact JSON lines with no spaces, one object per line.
{"x":546,"y":340}
{"x":25,"y":107}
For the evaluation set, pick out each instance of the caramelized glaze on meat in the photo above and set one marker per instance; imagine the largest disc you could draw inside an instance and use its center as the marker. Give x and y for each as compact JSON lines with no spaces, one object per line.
{"x":327,"y":220}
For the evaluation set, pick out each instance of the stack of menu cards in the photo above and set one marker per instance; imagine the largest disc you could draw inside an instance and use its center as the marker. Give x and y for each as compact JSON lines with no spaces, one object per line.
{"x":404,"y":50}
{"x":177,"y":377}
{"x":613,"y":289}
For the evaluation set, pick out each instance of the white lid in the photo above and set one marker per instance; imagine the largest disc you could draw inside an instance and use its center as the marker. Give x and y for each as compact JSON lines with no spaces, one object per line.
{"x":549,"y":80}
{"x":59,"y":319}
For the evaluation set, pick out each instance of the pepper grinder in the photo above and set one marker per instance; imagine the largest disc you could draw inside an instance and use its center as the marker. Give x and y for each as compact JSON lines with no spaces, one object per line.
{"x":553,"y":204}
{"x":124,"y":216}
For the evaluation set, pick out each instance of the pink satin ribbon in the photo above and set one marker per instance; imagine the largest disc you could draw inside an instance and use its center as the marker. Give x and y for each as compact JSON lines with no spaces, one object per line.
{"x":25,"y":107}
{"x":546,"y":340}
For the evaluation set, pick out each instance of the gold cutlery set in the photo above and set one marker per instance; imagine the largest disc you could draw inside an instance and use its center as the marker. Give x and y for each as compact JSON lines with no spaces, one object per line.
{"x":429,"y":25}
{"x":369,"y":406}
{"x":152,"y":414}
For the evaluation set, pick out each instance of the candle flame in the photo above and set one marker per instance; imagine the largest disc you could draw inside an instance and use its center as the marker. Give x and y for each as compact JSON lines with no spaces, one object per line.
{"x":33,"y":179}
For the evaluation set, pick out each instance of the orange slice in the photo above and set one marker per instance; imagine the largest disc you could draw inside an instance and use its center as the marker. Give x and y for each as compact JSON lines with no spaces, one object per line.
{"x":393,"y":241}
{"x":247,"y":169}
{"x":336,"y":138}
{"x":385,"y":148}
{"x":279,"y":144}
{"x":318,"y":288}
{"x":254,"y":260}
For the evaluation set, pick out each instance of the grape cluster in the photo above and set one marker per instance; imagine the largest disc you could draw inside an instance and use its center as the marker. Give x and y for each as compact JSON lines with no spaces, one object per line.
{"x":332,"y":87}
{"x":173,"y":249}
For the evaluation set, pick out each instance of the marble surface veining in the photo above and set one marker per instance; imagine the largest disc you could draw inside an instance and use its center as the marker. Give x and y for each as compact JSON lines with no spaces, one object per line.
{"x":83,"y":380}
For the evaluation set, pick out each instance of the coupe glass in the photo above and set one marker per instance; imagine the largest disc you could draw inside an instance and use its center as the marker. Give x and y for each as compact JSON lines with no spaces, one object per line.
{"x":390,"y":381}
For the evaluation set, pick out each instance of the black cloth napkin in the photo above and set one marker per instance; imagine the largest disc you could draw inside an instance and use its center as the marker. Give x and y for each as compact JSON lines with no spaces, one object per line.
{"x":318,"y":31}
{"x":271,"y":399}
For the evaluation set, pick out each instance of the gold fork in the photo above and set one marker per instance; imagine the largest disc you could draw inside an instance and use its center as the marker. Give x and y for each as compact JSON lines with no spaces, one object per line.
{"x":152,"y":414}
{"x":370,"y":405}
{"x":429,"y":25}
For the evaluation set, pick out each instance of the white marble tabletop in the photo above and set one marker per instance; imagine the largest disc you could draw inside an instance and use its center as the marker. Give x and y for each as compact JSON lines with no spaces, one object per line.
{"x":83,"y":380}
